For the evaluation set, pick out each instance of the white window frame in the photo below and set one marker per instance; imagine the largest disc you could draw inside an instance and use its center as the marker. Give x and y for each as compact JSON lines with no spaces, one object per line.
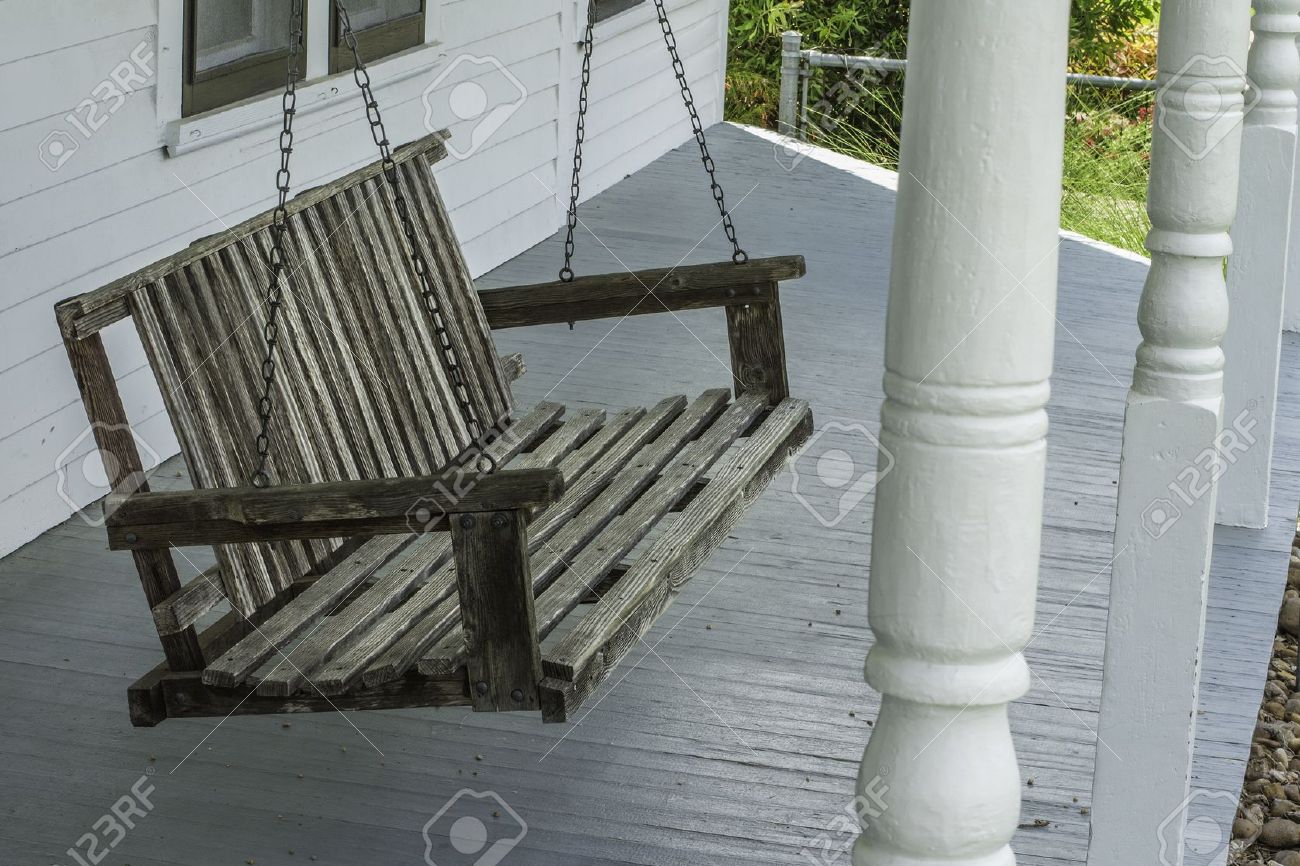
{"x":180,"y":135}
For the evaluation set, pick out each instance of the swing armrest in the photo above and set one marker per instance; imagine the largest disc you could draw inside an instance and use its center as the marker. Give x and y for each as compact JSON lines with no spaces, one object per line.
{"x":636,"y":293}
{"x":384,"y":506}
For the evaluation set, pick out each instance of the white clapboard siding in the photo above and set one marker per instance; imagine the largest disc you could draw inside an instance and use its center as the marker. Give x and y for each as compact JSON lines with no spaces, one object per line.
{"x":120,"y":203}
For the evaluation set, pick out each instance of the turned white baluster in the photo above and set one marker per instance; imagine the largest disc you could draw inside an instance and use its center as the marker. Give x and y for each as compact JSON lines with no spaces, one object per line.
{"x":1257,"y":271}
{"x":1164,"y":528}
{"x":968,"y":354}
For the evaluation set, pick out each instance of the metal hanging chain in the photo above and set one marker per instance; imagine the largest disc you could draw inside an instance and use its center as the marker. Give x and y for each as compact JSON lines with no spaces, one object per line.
{"x":566,"y":272}
{"x":277,"y":260}
{"x":476,"y":450}
{"x":738,"y":255}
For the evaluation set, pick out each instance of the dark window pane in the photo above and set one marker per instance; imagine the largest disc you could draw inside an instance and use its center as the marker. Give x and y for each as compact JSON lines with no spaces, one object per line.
{"x":228,"y":31}
{"x":371,"y":13}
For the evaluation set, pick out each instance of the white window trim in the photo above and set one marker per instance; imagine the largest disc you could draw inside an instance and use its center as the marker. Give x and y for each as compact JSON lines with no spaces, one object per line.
{"x":180,"y":135}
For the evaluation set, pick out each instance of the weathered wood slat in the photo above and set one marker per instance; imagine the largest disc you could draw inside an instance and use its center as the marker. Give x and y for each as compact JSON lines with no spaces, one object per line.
{"x":405,"y":632}
{"x":184,"y":607}
{"x":327,"y":510}
{"x":329,"y":591}
{"x":188,"y":696}
{"x":85,"y":314}
{"x":613,"y":523}
{"x":235,"y":664}
{"x":580,"y":661}
{"x":495,"y":588}
{"x":513,"y":366}
{"x":758,"y":348}
{"x":634,"y":293}
{"x":571,"y":434}
{"x":112,"y":434}
{"x":622,"y":534}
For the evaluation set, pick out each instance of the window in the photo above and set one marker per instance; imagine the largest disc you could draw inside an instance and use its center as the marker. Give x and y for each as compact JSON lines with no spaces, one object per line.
{"x":610,"y":8}
{"x":383,"y":27}
{"x":237,"y":49}
{"x":234,"y":49}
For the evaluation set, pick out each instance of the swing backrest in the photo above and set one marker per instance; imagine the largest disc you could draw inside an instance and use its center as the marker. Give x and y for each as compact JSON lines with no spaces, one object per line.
{"x":360,"y":388}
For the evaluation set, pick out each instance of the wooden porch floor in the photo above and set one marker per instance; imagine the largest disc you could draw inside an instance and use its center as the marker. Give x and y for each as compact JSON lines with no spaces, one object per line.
{"x":732,"y":742}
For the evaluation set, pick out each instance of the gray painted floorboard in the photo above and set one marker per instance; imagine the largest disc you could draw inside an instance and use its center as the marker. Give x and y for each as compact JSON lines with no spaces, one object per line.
{"x":731,"y":743}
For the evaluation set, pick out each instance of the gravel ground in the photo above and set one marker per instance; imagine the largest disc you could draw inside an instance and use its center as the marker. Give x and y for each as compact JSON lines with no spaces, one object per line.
{"x":1267,"y":829}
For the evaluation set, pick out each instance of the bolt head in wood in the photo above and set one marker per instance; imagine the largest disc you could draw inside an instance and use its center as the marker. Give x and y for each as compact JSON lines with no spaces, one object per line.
{"x":499,"y":521}
{"x":467,"y":521}
{"x":481,"y":687}
{"x":517,"y":696}
{"x":731,"y":293}
{"x":132,"y":538}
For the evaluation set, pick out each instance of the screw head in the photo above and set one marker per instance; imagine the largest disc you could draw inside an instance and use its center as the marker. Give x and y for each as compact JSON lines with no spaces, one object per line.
{"x":517,"y":696}
{"x":756,"y":290}
{"x":731,"y":293}
{"x":499,"y":521}
{"x":132,"y":538}
{"x":467,"y":521}
{"x":481,"y":687}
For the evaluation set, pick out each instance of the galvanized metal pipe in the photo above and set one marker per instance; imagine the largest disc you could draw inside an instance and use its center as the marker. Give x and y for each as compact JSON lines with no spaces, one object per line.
{"x":797,"y":65}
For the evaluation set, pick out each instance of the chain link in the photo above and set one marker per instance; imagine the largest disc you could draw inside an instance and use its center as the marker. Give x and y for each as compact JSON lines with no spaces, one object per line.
{"x":277,"y":260}
{"x":566,"y":272}
{"x":477,"y":450}
{"x":738,"y":255}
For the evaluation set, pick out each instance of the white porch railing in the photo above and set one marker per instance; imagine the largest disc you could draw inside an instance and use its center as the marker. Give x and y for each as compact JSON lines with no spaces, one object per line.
{"x":966,"y":386}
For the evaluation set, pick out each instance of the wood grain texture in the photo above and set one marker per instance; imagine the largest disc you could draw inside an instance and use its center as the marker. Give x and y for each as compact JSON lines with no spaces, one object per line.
{"x":184,"y":607}
{"x":362,"y":390}
{"x":331,"y":590}
{"x":381,"y":506}
{"x":757,"y":343}
{"x":111,"y":431}
{"x":577,"y":664}
{"x":636,"y":293}
{"x":495,"y":588}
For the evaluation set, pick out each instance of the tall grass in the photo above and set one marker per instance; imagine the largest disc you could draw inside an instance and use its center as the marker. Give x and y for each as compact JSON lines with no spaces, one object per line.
{"x":1107,"y":154}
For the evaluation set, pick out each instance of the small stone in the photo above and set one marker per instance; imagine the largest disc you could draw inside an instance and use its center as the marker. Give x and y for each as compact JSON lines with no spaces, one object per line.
{"x":478,"y":757}
{"x":1281,"y":808}
{"x":1275,"y":709}
{"x":1287,"y":858}
{"x":1288,"y":619}
{"x":1084,"y":810}
{"x":1245,"y":829}
{"x":1280,"y":833}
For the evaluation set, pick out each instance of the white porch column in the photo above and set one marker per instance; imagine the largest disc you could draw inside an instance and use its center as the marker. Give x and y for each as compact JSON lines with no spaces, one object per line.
{"x":968,"y":353}
{"x":1164,"y":527}
{"x":1291,"y":311}
{"x":1257,"y":270}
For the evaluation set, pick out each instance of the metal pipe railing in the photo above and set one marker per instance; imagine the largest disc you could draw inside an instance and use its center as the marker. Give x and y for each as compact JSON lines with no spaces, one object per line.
{"x":798,"y":63}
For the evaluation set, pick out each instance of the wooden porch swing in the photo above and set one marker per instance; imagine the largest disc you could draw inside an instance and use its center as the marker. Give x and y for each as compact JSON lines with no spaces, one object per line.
{"x":422,"y":538}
